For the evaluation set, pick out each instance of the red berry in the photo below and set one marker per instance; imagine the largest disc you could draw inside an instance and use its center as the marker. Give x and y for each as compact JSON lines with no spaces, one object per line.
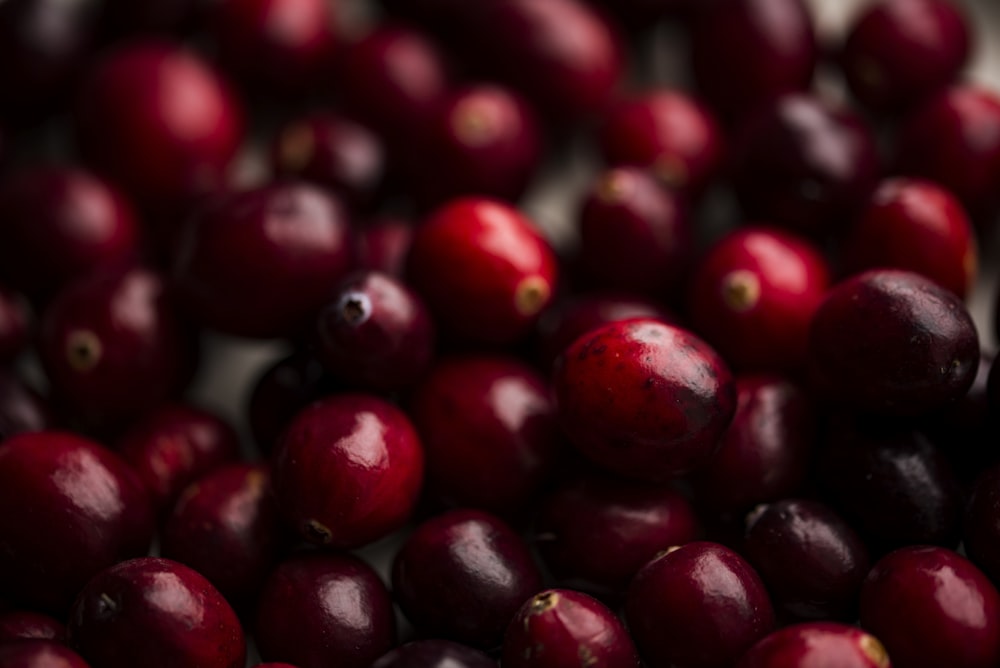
{"x":815,"y":645}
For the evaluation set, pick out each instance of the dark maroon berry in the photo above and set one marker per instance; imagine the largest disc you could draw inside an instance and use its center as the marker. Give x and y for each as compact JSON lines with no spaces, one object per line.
{"x":644,"y":399}
{"x":25,"y":625}
{"x":899,"y":52}
{"x":463,"y":575}
{"x":698,"y":605}
{"x":87,"y":512}
{"x":21,"y":408}
{"x":596,"y":532}
{"x":14,"y":325}
{"x":375,"y":333}
{"x":559,"y":628}
{"x":434,"y":654}
{"x":922,"y":355}
{"x":384,"y":244}
{"x":39,"y":654}
{"x":283,"y":389}
{"x":348,"y":471}
{"x":931,"y":607}
{"x":155,"y":612}
{"x":315,"y":607}
{"x":982,"y":523}
{"x":817,"y":644}
{"x":261,"y":263}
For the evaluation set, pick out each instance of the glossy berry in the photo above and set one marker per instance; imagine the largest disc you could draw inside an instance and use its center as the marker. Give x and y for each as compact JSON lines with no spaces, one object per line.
{"x":39,"y":654}
{"x":21,"y":408}
{"x":698,"y":605}
{"x":463,"y":575}
{"x":817,"y":644}
{"x":596,"y":532}
{"x":93,"y":508}
{"x":981,"y":536}
{"x":434,"y":654}
{"x":635,"y":236}
{"x":317,"y":606}
{"x":672,"y":135}
{"x":508,"y":270}
{"x":155,"y":612}
{"x":14,"y":325}
{"x":923,"y":354}
{"x":25,"y":625}
{"x":282,"y":390}
{"x":899,"y":52}
{"x":560,"y":628}
{"x":918,"y":226}
{"x":260,"y":263}
{"x":348,"y":471}
{"x":375,"y":333}
{"x":384,"y":244}
{"x":753,"y":296}
{"x":644,"y":399}
{"x":931,"y":607}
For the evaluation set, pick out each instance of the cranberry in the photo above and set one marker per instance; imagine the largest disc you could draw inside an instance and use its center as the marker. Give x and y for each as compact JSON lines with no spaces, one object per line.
{"x":14,"y":325}
{"x":155,"y":612}
{"x":931,"y":607}
{"x":131,"y":125}
{"x":559,"y":628}
{"x":817,"y":644}
{"x":348,"y":470}
{"x":506,"y":267}
{"x":332,"y":152}
{"x":93,"y":510}
{"x":899,"y":52}
{"x":61,"y":223}
{"x":375,"y":333}
{"x":644,"y":399}
{"x":923,"y":354}
{"x":261,"y":263}
{"x":954,"y":139}
{"x":113,"y":346}
{"x":665,"y":131}
{"x":21,"y":409}
{"x":771,"y":43}
{"x":966,"y":430}
{"x":434,"y":654}
{"x":805,"y":164}
{"x":25,"y":625}
{"x":698,"y":605}
{"x":982,"y":523}
{"x":918,"y":226}
{"x":635,"y":236}
{"x":39,"y":654}
{"x":765,"y":452}
{"x":463,"y":575}
{"x":489,"y":428}
{"x":596,"y":532}
{"x":384,"y":244}
{"x":754,"y":294}
{"x":315,"y":607}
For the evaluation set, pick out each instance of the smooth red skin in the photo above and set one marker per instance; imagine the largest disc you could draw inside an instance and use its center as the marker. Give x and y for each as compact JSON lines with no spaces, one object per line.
{"x":673,"y":135}
{"x":226,"y":527}
{"x":354,"y":464}
{"x":130,"y":126}
{"x":21,"y":408}
{"x":931,"y":607}
{"x":816,"y":645}
{"x":897,"y":367}
{"x":383,"y":246}
{"x":14,"y":325}
{"x":596,"y":532}
{"x":898,"y":53}
{"x":92,"y":508}
{"x":261,"y":263}
{"x":434,"y":654}
{"x":468,"y":259}
{"x":560,"y":628}
{"x":39,"y":654}
{"x":701,"y":605}
{"x":766,"y":451}
{"x":953,"y":139}
{"x":147,"y":350}
{"x":485,"y":140}
{"x":26,"y":625}
{"x":155,"y":612}
{"x":771,"y":43}
{"x":317,"y":607}
{"x":62,"y":223}
{"x":463,"y":576}
{"x":282,"y":390}
{"x":811,"y":560}
{"x":644,"y":399}
{"x":635,"y":235}
{"x":981,"y":535}
{"x":489,"y":429}
{"x":333,"y":152}
{"x":772,"y":333}
{"x":388,"y":347}
{"x":175,"y":445}
{"x":806,"y":165}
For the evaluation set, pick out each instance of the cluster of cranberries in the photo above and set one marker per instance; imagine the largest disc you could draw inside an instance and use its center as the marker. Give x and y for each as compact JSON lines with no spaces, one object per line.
{"x":656,"y":443}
